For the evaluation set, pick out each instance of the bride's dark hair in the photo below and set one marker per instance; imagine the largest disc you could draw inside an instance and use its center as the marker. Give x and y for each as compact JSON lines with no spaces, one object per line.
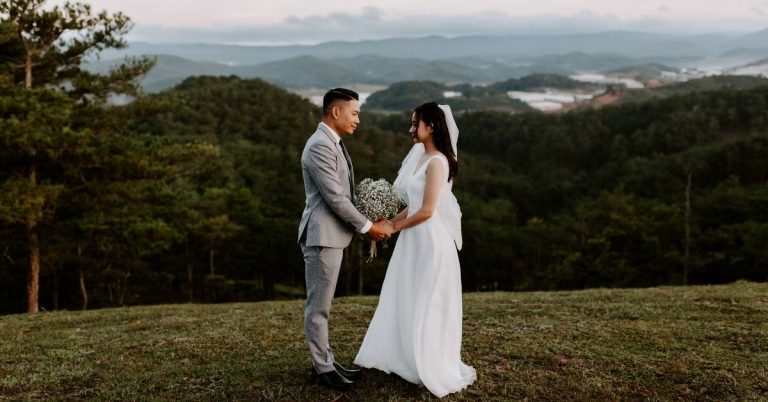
{"x":431,"y":114}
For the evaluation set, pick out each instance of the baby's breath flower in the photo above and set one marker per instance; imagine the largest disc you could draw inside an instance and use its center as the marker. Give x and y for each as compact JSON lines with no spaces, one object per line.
{"x":377,"y":199}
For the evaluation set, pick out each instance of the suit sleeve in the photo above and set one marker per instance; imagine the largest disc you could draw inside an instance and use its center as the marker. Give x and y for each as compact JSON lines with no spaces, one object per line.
{"x":322,"y":169}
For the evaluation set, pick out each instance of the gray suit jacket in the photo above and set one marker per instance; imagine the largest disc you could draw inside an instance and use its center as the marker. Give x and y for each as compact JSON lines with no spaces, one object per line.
{"x":330,"y":218}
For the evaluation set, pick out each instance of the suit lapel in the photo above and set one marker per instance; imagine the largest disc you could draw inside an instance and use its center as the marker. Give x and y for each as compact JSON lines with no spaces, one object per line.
{"x":351,"y":170}
{"x":327,"y":133}
{"x":345,"y":156}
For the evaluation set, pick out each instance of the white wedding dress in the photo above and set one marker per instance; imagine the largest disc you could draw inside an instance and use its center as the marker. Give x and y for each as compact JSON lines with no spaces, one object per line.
{"x":416,"y":329}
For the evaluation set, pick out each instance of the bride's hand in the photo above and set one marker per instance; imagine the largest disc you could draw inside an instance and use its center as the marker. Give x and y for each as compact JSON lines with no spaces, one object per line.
{"x":381,"y":230}
{"x":391,"y":226}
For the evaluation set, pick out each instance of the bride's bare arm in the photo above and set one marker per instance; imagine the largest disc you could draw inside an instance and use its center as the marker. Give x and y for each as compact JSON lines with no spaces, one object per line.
{"x":400,"y":216}
{"x":434,"y":178}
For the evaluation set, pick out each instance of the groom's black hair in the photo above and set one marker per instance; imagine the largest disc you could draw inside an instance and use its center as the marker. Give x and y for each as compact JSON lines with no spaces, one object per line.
{"x":336,"y":94}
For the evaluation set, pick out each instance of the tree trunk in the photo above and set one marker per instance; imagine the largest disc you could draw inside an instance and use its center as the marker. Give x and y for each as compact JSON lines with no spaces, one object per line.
{"x":269,"y":286}
{"x":33,"y":279}
{"x":687,"y":252}
{"x":191,"y":283}
{"x":83,"y":291}
{"x":190,"y":272}
{"x":211,"y":262}
{"x":123,"y":289}
{"x":55,"y":274}
{"x":28,"y":71}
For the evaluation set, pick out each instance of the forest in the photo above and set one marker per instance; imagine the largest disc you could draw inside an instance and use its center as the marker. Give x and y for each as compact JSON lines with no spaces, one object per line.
{"x":194,"y":194}
{"x":467,"y":97}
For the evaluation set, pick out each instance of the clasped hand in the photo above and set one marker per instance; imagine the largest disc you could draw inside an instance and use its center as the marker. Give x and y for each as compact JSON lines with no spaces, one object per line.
{"x":381,"y":230}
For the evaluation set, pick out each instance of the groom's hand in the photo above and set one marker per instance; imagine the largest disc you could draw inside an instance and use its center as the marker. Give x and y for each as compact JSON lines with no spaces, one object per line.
{"x":381,"y":230}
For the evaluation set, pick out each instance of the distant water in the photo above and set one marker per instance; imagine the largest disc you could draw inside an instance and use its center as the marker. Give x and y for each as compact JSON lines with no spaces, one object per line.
{"x":549,"y":100}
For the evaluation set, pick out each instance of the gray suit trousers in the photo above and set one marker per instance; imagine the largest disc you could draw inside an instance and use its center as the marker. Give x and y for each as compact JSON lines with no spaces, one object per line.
{"x":321,"y":271}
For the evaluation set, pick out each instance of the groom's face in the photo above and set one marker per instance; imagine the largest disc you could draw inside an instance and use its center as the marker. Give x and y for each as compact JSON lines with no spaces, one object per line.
{"x":347,"y":117}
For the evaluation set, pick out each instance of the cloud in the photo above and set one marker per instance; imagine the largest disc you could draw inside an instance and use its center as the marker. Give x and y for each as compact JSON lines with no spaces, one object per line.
{"x":375,"y":23}
{"x":760,"y":8}
{"x":369,"y":14}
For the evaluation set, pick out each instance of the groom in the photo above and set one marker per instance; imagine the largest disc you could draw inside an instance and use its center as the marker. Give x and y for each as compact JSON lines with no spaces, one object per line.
{"x":327,"y":225}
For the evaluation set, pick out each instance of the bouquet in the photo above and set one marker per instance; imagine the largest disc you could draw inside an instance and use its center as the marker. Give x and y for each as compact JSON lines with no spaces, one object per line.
{"x":377,"y":200}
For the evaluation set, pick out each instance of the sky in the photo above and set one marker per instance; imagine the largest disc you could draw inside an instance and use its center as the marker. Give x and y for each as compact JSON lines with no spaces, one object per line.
{"x":307,"y":22}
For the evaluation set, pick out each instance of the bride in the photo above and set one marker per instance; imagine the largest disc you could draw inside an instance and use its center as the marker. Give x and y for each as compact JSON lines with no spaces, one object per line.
{"x":416,"y":329}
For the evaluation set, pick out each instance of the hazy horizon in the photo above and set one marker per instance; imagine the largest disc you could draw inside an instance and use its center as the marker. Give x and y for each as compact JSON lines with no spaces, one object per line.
{"x":287,"y":22}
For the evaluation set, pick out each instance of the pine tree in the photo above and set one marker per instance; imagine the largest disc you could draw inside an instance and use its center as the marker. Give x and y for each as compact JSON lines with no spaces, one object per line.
{"x":49,"y":104}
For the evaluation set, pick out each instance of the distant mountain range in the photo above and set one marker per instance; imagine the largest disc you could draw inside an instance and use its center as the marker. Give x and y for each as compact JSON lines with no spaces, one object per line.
{"x":474,"y":59}
{"x":314,"y":72}
{"x":632,"y":44}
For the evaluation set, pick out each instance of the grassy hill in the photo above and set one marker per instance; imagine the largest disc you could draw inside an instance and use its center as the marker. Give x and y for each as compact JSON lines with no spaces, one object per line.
{"x":407,"y":94}
{"x":671,"y":343}
{"x":644,"y":72}
{"x":539,"y":81}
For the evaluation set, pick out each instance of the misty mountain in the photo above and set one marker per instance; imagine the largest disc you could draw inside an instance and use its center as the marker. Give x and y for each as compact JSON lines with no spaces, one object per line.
{"x":313,"y":72}
{"x":168,"y":70}
{"x":758,"y":39}
{"x":630,"y":44}
{"x":302,"y":72}
{"x":744,"y":54}
{"x":583,"y":62}
{"x":470,"y":59}
{"x":386,"y":70}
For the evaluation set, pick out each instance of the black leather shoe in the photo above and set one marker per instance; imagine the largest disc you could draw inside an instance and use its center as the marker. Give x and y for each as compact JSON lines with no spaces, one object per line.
{"x":347,"y":373}
{"x":332,"y":379}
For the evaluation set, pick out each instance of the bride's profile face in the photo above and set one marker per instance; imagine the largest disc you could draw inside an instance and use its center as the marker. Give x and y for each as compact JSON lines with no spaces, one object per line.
{"x":419,"y":131}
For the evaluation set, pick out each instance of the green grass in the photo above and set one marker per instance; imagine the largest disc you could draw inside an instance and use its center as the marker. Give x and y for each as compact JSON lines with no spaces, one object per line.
{"x":670,"y":343}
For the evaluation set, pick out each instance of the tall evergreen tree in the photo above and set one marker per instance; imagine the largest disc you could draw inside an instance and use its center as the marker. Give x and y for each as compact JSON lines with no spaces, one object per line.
{"x":49,"y":105}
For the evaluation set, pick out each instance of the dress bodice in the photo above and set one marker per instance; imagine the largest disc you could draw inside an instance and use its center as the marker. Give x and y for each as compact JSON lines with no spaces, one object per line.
{"x":411,"y":183}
